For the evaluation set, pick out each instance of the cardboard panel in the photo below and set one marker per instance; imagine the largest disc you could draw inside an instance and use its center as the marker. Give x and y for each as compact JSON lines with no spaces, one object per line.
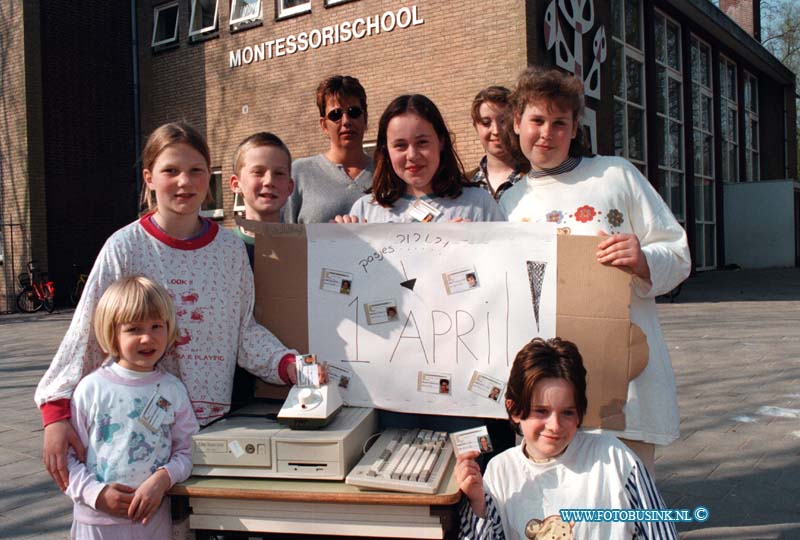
{"x":586,"y":288}
{"x":281,"y":294}
{"x":639,"y":352}
{"x":593,"y":311}
{"x":604,"y":346}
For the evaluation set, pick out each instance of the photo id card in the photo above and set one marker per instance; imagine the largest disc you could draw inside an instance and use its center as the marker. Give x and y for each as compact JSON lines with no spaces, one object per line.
{"x":336,"y":281}
{"x":460,"y":280}
{"x":382,"y":311}
{"x":307,"y":370}
{"x":486,"y":386}
{"x":155,"y":411}
{"x":433,"y":383}
{"x":339,"y":376}
{"x":471,"y":440}
{"x":423,"y":211}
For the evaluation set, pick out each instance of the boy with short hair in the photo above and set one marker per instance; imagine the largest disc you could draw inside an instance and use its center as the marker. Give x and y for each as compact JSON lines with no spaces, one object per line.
{"x":262,"y":174}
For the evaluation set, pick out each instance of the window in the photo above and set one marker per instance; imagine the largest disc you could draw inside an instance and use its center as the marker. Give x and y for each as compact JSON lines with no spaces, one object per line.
{"x":165,"y":24}
{"x":329,"y":3}
{"x":627,"y":68}
{"x":213,"y":208}
{"x":703,"y":145}
{"x":669,"y":114}
{"x":245,"y":11}
{"x":238,"y":204}
{"x":204,"y":17}
{"x":750,"y":102}
{"x":729,"y":120}
{"x":289,"y":8}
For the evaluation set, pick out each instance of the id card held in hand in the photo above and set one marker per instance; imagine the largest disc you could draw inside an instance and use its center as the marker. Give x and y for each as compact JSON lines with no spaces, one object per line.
{"x":307,"y":370}
{"x":471,"y":440}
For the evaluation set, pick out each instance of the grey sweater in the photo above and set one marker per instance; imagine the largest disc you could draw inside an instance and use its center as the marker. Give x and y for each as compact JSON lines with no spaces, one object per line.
{"x":322,"y":190}
{"x":474,"y":204}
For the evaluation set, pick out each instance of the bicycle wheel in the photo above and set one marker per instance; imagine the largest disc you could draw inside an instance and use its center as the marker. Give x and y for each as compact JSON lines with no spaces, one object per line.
{"x":28,"y":301}
{"x":49,"y":304}
{"x":76,"y":292}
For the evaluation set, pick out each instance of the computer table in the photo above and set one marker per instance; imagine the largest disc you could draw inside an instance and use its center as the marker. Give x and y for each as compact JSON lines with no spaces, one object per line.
{"x":318,"y":508}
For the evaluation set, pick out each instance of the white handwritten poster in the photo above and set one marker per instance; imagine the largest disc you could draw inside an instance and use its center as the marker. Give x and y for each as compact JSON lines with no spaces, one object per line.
{"x":421,"y":317}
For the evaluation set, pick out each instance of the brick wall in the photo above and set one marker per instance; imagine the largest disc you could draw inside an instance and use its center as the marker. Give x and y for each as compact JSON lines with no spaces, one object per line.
{"x":459,"y":49}
{"x":742,"y":13}
{"x":22,"y":217}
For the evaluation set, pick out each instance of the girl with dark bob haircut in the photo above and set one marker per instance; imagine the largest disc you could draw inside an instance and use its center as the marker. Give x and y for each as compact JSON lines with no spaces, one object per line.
{"x":448,"y":180}
{"x":540,"y":359}
{"x":557,"y":465}
{"x":418,"y":175}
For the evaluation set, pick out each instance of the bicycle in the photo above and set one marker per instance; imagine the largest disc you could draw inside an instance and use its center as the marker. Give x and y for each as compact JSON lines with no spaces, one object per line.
{"x":37,"y":291}
{"x":77,"y":289}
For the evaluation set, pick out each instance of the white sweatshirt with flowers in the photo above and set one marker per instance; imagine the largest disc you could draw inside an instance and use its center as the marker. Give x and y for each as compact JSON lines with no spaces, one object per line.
{"x":609,"y":194}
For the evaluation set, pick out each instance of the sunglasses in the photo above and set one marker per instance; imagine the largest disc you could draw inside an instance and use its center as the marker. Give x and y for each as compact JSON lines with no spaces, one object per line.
{"x":334,"y":115}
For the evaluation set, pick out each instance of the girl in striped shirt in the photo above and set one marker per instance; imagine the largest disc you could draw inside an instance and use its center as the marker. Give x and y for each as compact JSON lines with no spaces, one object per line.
{"x":557,"y":467}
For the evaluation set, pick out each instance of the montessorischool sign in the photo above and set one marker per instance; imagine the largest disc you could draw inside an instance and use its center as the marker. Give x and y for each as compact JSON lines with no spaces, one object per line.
{"x":340,"y":32}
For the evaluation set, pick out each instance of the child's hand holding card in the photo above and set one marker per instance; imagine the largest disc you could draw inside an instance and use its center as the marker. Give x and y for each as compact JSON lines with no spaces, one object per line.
{"x":307,"y":371}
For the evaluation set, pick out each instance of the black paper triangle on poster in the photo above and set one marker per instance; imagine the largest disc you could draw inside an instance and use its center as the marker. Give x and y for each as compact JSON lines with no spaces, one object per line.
{"x":536,"y":276}
{"x":409,"y":283}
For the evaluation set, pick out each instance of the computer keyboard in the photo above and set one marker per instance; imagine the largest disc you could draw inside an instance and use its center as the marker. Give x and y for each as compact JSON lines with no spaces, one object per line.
{"x":412,"y":460}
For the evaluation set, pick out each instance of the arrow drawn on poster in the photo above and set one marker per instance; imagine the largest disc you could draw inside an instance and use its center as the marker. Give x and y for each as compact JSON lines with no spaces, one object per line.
{"x":408,"y":283}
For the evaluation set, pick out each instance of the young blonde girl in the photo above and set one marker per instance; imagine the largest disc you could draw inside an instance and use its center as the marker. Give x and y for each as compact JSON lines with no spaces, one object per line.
{"x":418,"y":175}
{"x":205,"y":270}
{"x":135,"y":420}
{"x":604,"y":196}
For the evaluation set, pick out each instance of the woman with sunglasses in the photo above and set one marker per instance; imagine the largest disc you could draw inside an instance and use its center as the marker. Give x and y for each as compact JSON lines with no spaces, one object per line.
{"x":328,"y":184}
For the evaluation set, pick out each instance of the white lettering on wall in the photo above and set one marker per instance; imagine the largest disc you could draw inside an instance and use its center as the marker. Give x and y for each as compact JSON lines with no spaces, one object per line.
{"x":315,"y":39}
{"x":388,"y":21}
{"x":247,"y":55}
{"x":401,"y":22}
{"x":373,"y":26}
{"x":235,"y":58}
{"x":358,"y":28}
{"x":344,"y":31}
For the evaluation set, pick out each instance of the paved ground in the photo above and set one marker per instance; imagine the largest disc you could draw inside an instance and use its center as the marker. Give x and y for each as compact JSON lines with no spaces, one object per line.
{"x":735,"y":344}
{"x":30,"y":504}
{"x":734,"y":338}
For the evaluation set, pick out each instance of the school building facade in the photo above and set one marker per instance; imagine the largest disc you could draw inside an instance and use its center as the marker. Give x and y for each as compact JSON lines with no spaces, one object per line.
{"x":677,"y":86}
